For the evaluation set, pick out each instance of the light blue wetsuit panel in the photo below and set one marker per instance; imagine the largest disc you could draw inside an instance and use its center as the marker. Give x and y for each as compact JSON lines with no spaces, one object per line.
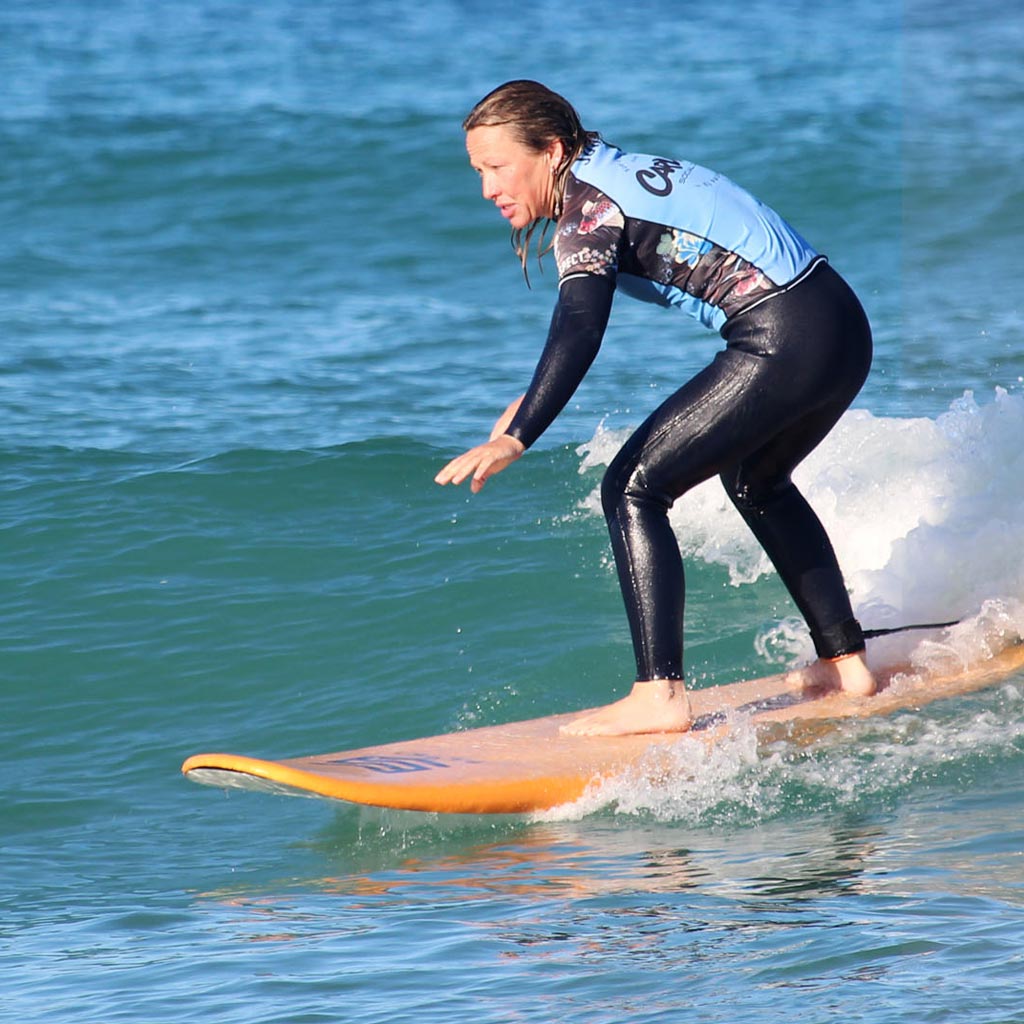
{"x":674,"y":233}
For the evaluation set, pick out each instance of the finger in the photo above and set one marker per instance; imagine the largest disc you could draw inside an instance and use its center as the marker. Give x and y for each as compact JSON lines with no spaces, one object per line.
{"x":487,"y":468}
{"x":481,"y":476}
{"x":444,"y":476}
{"x":459,"y":468}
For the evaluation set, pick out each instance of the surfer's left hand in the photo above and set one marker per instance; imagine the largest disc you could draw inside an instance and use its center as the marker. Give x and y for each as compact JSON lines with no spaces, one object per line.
{"x":482,"y":462}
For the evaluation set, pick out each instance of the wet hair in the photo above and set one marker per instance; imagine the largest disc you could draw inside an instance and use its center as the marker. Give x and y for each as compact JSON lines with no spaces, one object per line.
{"x":535,"y":117}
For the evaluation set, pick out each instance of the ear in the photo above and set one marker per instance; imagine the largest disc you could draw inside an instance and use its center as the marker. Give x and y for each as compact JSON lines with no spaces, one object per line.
{"x":556,"y":153}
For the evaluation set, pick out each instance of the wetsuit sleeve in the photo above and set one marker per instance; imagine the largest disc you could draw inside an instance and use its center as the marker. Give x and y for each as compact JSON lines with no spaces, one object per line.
{"x":574,"y":338}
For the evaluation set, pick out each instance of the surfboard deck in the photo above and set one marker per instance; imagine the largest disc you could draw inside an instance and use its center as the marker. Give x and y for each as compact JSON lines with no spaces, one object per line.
{"x":530,"y":766}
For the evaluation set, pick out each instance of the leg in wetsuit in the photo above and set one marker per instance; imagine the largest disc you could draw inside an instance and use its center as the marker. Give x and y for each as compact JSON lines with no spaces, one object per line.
{"x":790,"y":368}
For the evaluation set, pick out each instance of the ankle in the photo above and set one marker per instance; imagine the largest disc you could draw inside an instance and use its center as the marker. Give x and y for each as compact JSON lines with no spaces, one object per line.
{"x":659,"y":690}
{"x":839,"y":658}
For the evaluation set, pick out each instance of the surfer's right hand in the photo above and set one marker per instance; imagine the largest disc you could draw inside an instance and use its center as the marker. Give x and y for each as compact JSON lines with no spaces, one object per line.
{"x":482,"y":462}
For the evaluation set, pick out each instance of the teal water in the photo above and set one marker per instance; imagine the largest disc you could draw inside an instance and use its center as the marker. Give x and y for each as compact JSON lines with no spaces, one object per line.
{"x":250,"y":301}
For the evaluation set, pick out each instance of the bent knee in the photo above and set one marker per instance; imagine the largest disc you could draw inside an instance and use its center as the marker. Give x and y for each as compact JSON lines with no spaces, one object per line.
{"x":749,"y":494}
{"x":614,"y":486}
{"x":629,"y":486}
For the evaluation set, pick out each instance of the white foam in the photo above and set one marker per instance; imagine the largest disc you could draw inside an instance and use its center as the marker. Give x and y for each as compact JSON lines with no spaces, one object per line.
{"x":687,"y":780}
{"x":925,"y":516}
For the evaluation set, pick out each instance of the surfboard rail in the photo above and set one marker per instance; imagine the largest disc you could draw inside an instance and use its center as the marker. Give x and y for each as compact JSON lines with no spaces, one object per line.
{"x":462,"y":797}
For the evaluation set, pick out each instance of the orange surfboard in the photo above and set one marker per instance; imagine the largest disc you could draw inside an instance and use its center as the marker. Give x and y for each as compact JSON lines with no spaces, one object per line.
{"x":530,"y":766}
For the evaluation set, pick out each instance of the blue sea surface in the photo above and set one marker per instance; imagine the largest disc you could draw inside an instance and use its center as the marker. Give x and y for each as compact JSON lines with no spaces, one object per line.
{"x":251,"y":301}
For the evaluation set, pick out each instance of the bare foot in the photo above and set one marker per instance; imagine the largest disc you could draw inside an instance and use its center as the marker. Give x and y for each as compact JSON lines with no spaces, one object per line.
{"x":849,"y":673}
{"x":660,"y":705}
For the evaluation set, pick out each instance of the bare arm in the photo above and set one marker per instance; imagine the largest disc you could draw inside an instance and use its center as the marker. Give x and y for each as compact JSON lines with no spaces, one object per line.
{"x":503,"y":421}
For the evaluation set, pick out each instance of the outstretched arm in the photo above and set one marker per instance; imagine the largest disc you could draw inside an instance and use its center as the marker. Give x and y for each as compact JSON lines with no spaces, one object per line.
{"x":574,"y":338}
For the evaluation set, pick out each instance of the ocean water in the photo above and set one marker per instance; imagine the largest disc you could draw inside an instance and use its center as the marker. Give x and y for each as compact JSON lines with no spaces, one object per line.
{"x":251,"y":301}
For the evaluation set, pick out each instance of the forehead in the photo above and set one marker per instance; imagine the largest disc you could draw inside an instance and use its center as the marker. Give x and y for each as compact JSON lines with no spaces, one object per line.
{"x":495,"y":143}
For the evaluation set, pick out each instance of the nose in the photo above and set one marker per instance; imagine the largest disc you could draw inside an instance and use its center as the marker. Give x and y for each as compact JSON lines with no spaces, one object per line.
{"x":488,"y":186}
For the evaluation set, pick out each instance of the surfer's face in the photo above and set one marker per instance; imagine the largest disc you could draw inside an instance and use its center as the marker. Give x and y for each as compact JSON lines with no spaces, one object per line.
{"x":520,"y":181}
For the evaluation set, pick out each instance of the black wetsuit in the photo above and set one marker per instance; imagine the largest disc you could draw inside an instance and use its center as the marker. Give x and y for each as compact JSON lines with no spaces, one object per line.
{"x":798,"y":349}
